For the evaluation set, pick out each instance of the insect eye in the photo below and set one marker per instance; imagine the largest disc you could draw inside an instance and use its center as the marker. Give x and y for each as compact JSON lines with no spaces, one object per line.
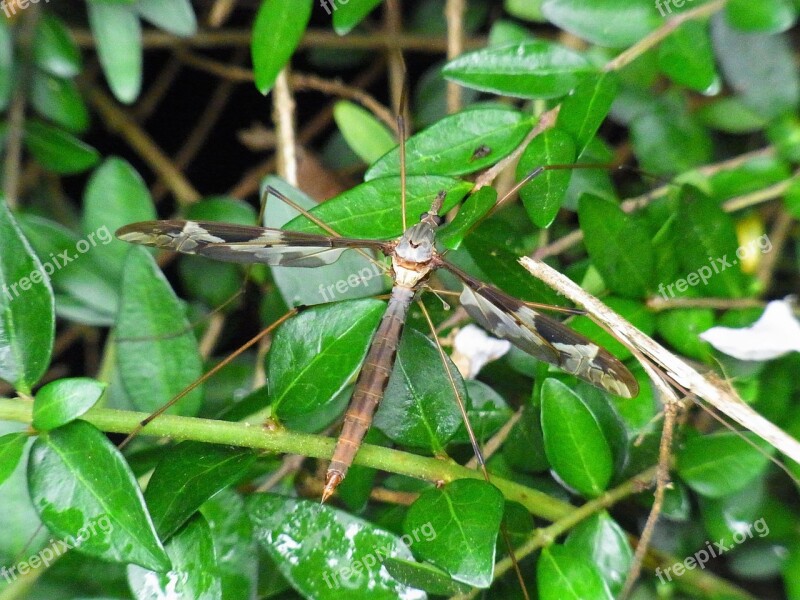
{"x":438,"y":220}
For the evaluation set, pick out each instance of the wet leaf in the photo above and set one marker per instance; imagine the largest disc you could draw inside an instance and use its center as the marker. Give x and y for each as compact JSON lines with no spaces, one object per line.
{"x":563,"y":575}
{"x":64,"y":400}
{"x":605,"y":544}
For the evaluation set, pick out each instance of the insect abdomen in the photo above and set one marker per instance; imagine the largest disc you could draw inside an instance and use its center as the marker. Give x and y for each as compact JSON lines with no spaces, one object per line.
{"x":369,"y":388}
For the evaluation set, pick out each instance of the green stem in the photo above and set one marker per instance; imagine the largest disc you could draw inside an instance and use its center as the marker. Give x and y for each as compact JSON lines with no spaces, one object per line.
{"x":244,"y":435}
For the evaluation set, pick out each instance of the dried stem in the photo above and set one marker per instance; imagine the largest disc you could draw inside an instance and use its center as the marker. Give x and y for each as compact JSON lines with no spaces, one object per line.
{"x":454,"y":11}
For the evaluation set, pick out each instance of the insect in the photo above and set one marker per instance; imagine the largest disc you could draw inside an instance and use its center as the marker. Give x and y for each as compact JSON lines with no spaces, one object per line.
{"x":414,"y":258}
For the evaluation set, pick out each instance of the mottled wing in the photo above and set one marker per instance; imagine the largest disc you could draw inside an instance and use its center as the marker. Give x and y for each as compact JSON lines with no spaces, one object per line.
{"x":243,"y":243}
{"x":543,"y":337}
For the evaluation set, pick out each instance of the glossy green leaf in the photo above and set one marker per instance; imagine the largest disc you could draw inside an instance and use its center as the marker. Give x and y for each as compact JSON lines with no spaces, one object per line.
{"x":380,"y":199}
{"x":561,"y":574}
{"x":83,"y":293}
{"x":524,"y":448}
{"x":583,"y":111}
{"x":60,"y":101}
{"x":612,"y":23}
{"x":764,"y":76}
{"x":458,"y":144}
{"x":424,"y":576}
{"x":456,"y":527}
{"x":324,"y":552}
{"x":83,"y":490}
{"x":27,"y":319}
{"x":573,"y":440}
{"x":115,"y":195}
{"x":543,"y":195}
{"x":118,"y":35}
{"x":277,"y":30}
{"x":189,"y":475}
{"x":475,"y":207}
{"x":234,"y":544}
{"x":352,"y":276}
{"x":669,"y":141}
{"x":58,"y":150}
{"x":366,"y":135}
{"x":609,"y":236}
{"x":708,"y":249}
{"x":535,"y":69}
{"x":54,"y":50}
{"x":419,"y":407}
{"x":736,"y":513}
{"x":314,"y":355}
{"x":765,"y":16}
{"x":347,"y":15}
{"x":157,"y":353}
{"x":687,"y":57}
{"x":64,"y":400}
{"x":174,"y":16}
{"x":605,"y":544}
{"x":722,"y":463}
{"x":11,"y":448}
{"x":194,"y":568}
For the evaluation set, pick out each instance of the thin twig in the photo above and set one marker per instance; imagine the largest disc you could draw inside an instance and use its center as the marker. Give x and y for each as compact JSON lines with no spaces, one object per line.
{"x":454,"y":12}
{"x":283,"y":115}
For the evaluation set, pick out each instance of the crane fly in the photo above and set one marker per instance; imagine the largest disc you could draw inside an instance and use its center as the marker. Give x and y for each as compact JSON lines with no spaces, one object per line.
{"x":414,"y":258}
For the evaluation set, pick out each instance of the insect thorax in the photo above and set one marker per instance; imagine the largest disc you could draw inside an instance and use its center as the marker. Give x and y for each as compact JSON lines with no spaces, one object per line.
{"x":413,"y":253}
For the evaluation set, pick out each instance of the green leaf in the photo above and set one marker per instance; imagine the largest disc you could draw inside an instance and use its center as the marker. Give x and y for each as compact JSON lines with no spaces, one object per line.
{"x":563,"y":575}
{"x":682,"y":328}
{"x":459,"y":524}
{"x":194,"y":568}
{"x":174,"y":16}
{"x":314,"y":355}
{"x":58,"y":150}
{"x":54,"y":50}
{"x":6,"y":68}
{"x":27,"y":319}
{"x":734,"y":514}
{"x":610,"y":236}
{"x":766,"y":16}
{"x":543,"y":195}
{"x":235,"y":546}
{"x":731,"y":116}
{"x":764,"y":76}
{"x":366,"y":135}
{"x":157,"y":352}
{"x":64,"y":400}
{"x":722,"y":463}
{"x":573,"y":440}
{"x":583,"y":111}
{"x":352,"y":276}
{"x":380,"y":199}
{"x":76,"y":277}
{"x":346,"y":554}
{"x":423,"y":576}
{"x":60,"y":101}
{"x":118,"y":35}
{"x":189,"y":475}
{"x":475,"y":207}
{"x":708,"y":249}
{"x":448,"y":147}
{"x":114,"y":196}
{"x":82,"y":488}
{"x":605,"y":544}
{"x":419,"y":408}
{"x":535,"y":69}
{"x":612,"y":23}
{"x":277,"y":30}
{"x":669,"y":141}
{"x":346,"y":15}
{"x":686,"y":56}
{"x":11,"y":448}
